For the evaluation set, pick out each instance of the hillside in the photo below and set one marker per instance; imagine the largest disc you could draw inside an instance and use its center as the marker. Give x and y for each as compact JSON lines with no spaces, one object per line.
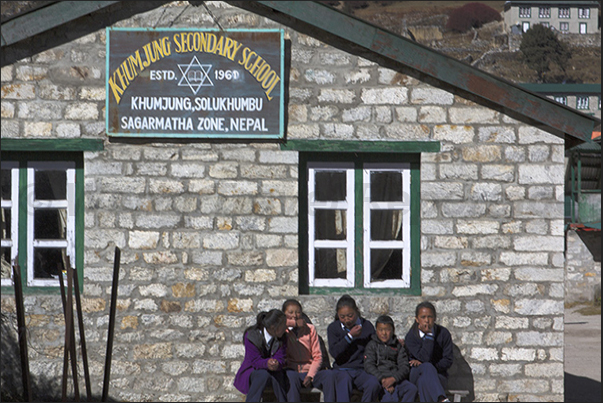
{"x":484,"y":48}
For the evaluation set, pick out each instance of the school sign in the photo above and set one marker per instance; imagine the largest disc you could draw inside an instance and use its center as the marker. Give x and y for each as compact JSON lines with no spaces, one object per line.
{"x":193,"y":83}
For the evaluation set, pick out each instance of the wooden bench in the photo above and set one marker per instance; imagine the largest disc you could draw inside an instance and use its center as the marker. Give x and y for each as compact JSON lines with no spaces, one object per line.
{"x":315,"y":395}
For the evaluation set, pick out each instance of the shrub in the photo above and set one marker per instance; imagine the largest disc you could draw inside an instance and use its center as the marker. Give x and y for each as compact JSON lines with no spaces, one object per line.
{"x":541,"y":48}
{"x":471,"y":15}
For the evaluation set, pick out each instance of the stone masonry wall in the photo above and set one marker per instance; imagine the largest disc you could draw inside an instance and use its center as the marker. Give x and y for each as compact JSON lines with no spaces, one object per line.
{"x":209,"y":231}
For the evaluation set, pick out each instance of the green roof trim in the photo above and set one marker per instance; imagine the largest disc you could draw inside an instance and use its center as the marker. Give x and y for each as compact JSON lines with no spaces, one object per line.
{"x":52,"y":144}
{"x":563,"y":88}
{"x":360,"y":37}
{"x":362,"y":146}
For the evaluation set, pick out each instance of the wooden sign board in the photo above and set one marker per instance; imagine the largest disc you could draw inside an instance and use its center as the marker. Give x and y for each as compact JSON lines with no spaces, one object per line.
{"x":195,"y":83}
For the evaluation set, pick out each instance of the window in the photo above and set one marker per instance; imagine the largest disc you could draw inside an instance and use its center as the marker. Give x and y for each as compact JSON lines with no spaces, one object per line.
{"x":545,"y":24}
{"x":361,"y":217}
{"x":583,"y":12}
{"x":561,"y":99}
{"x":42,"y":216}
{"x":525,"y":26}
{"x":583,"y":28}
{"x":564,"y":26}
{"x":10,"y":213}
{"x":525,"y":12}
{"x":564,"y":12}
{"x":582,"y":102}
{"x":544,"y":12}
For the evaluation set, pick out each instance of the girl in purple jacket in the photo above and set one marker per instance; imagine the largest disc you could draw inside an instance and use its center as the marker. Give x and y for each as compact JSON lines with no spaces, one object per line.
{"x":265,"y":353}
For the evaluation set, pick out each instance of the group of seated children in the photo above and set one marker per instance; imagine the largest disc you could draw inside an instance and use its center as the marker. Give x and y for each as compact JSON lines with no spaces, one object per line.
{"x":283,"y":351}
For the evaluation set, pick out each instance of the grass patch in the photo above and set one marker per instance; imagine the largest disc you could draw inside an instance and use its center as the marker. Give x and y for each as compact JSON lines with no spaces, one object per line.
{"x":586,"y":308}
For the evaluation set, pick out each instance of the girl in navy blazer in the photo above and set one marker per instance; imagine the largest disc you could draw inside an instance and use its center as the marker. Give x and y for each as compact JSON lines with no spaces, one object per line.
{"x":430,"y":352}
{"x":348,"y":336}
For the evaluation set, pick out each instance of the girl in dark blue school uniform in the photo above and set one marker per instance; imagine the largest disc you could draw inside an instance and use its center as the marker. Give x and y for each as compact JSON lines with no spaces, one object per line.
{"x":430,"y":352}
{"x":348,"y":336}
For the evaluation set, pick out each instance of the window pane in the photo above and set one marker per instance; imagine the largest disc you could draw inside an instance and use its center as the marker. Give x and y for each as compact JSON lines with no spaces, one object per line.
{"x":386,"y":186}
{"x":50,"y":223}
{"x":49,"y":262}
{"x":330,"y":224}
{"x":50,"y":185}
{"x":329,"y":263}
{"x":6,"y":184}
{"x":5,"y":232}
{"x":330,"y":186}
{"x":386,"y":225}
{"x":6,"y":263}
{"x":386,"y":264}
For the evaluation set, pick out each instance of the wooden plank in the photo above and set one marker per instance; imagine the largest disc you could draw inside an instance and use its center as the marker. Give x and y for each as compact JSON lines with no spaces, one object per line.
{"x":114,"y":286}
{"x":361,"y":146}
{"x":22,"y":332}
{"x":507,"y":96}
{"x":52,"y":145}
{"x":47,"y":18}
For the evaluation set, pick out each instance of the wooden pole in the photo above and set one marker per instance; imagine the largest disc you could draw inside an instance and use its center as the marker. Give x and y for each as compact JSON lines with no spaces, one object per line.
{"x":78,"y":304}
{"x":76,"y":387}
{"x":111,"y":324}
{"x":66,"y":348}
{"x":22,"y":332}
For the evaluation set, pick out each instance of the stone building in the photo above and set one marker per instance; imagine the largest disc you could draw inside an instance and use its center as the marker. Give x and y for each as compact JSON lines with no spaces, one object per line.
{"x":214,"y":230}
{"x":567,"y":17}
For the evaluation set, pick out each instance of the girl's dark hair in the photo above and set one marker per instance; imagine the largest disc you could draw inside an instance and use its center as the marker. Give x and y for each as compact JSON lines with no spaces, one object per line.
{"x":425,"y":304}
{"x":348,"y":301}
{"x":292,"y":302}
{"x":386,"y":320}
{"x":268,"y":320}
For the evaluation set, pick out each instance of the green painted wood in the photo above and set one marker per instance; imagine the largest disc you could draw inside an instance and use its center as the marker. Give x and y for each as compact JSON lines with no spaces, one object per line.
{"x":415,"y":228}
{"x":358,"y":226}
{"x":23,"y":159}
{"x":415,"y":161}
{"x":559,"y":119}
{"x":563,"y":88}
{"x":44,"y":19}
{"x":303,"y":225}
{"x":52,"y":145}
{"x":362,"y":146}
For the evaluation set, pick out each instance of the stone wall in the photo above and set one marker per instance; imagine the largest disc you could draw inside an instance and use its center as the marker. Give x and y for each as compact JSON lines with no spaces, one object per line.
{"x":209,"y":231}
{"x":583,"y":257}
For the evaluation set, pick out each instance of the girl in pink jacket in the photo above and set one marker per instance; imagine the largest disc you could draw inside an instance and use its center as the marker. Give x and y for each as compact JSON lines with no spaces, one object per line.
{"x":304,"y":363}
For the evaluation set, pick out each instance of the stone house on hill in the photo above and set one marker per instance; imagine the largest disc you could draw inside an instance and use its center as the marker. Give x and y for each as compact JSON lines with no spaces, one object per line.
{"x":397,"y":175}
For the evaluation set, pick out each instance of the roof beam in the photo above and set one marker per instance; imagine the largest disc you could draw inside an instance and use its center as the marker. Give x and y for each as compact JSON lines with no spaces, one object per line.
{"x":562,"y":120}
{"x":46,"y":18}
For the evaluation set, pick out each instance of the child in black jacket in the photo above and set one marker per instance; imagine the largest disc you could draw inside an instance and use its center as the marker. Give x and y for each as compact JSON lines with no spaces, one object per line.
{"x":385,"y":358}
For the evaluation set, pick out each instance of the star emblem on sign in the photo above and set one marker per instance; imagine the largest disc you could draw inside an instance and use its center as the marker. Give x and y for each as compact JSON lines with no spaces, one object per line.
{"x":195,"y":75}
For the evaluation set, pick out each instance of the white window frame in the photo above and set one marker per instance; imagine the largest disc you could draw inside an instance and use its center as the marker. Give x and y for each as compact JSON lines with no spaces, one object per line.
{"x":562,"y":25}
{"x":562,"y":99}
{"x":544,"y":12}
{"x":582,"y":103}
{"x":404,"y":205}
{"x":13,"y":205}
{"x":583,"y":28}
{"x":348,"y":206}
{"x":525,"y":26}
{"x":525,"y":12}
{"x":583,"y":12}
{"x":564,"y":12}
{"x":33,"y":204}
